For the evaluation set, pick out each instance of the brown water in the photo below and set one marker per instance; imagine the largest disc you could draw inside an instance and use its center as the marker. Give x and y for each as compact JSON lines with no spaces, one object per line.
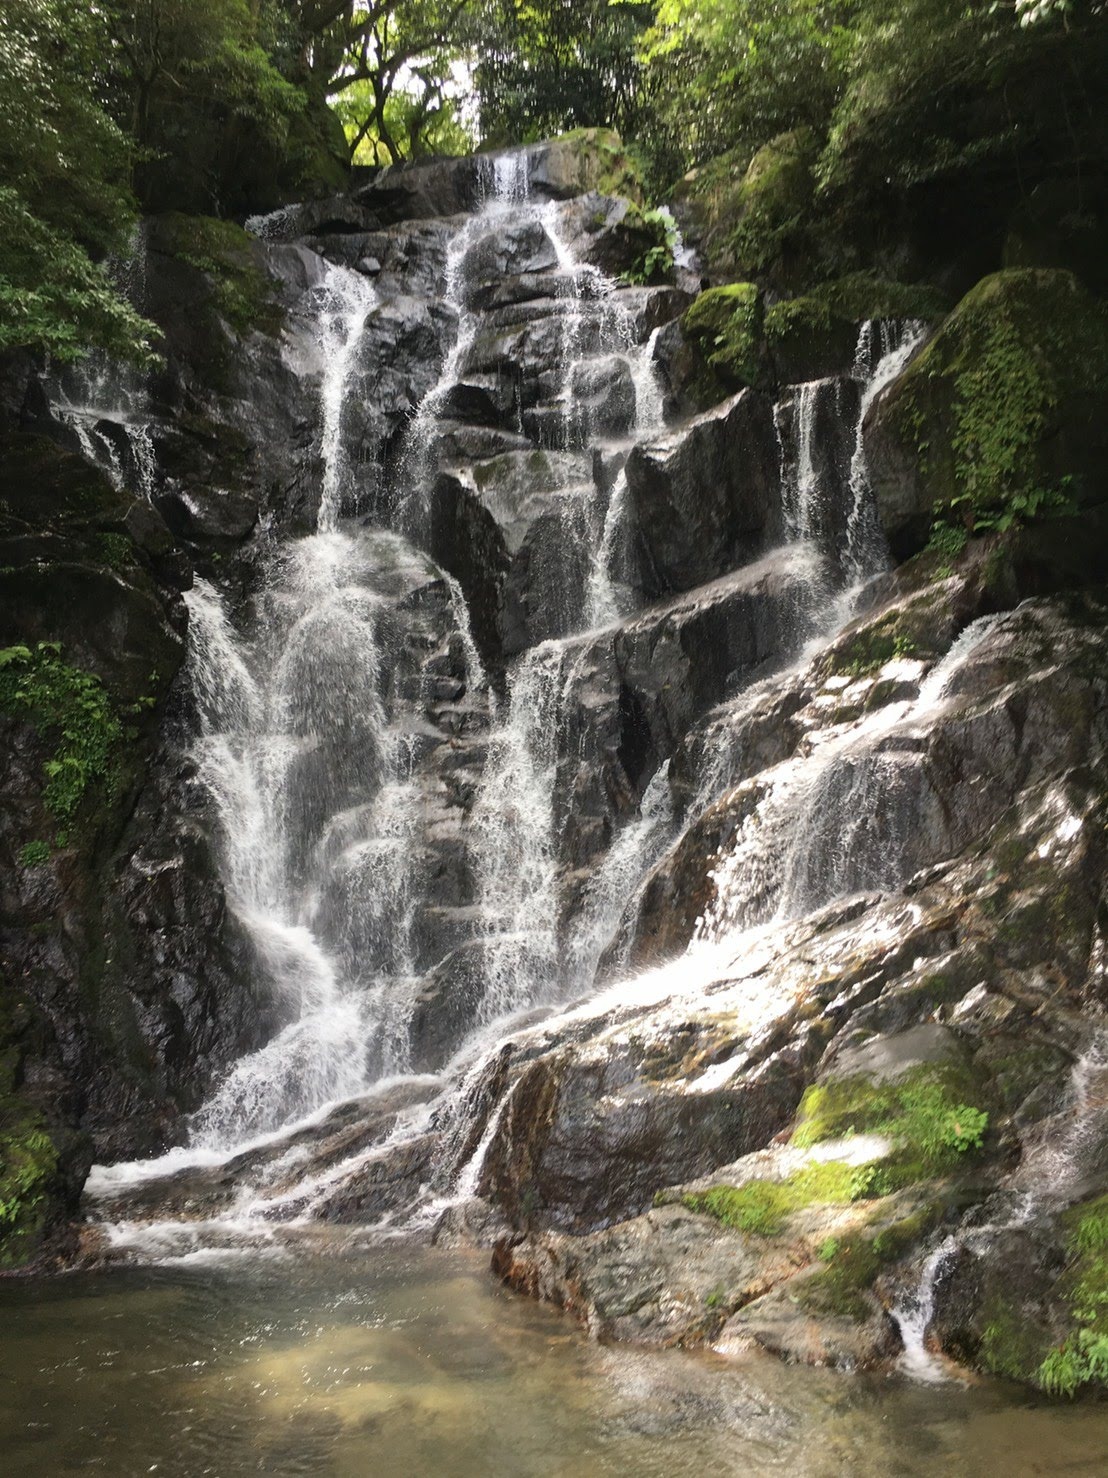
{"x":408,"y":1362}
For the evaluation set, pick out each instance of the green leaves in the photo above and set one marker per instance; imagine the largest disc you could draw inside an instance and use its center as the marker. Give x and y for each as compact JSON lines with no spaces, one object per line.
{"x":73,"y":708}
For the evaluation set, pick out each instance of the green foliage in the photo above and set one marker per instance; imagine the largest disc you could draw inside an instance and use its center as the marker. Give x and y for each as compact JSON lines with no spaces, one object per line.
{"x":65,"y":198}
{"x":905,"y":106}
{"x":656,"y":262}
{"x":729,"y":77}
{"x":923,"y":1110}
{"x":391,"y":71}
{"x":116,"y":550}
{"x":546,"y":67}
{"x":28,"y":1161}
{"x":727,"y":325}
{"x":179,"y":60}
{"x":223,"y":252}
{"x":1082,"y":1358}
{"x":67,"y":310}
{"x":34,"y":854}
{"x":73,"y":709}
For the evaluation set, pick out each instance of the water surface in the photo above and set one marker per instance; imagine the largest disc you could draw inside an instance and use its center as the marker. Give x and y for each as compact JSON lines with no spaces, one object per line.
{"x":402,"y":1361}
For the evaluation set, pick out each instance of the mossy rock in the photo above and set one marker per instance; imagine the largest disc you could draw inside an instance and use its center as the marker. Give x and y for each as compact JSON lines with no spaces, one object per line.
{"x":726,"y":325}
{"x":41,"y":1162}
{"x":241,"y":293}
{"x":808,"y":340}
{"x":860,"y":296}
{"x":709,"y":201}
{"x":774,"y":201}
{"x":590,"y":159}
{"x":1002,"y":421}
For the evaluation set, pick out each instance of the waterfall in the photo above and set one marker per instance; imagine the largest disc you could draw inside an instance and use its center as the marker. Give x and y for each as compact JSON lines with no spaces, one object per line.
{"x":394,"y":815}
{"x":884,"y":348}
{"x":341,"y":304}
{"x":828,"y":822}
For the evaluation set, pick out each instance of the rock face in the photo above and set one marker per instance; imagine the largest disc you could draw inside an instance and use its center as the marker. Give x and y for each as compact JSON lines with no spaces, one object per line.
{"x":704,"y":499}
{"x":1002,"y":415}
{"x":604,"y":718}
{"x":990,"y":925}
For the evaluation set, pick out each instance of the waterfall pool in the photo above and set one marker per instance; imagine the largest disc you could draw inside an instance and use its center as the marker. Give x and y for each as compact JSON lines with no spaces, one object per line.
{"x":413,"y":1363}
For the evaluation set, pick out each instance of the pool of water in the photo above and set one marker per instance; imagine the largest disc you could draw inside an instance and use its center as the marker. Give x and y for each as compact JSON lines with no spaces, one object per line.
{"x":402,"y":1361}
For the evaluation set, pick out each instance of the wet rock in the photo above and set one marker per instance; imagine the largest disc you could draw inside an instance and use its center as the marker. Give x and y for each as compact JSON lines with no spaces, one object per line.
{"x":584,"y":1143}
{"x":1041,"y":328}
{"x":702,"y":499}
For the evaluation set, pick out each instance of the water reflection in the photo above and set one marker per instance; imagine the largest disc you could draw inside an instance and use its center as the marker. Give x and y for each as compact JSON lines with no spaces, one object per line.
{"x":405,"y":1362}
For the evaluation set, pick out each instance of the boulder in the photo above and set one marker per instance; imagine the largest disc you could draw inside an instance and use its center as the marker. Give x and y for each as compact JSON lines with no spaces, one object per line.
{"x":1002,"y":420}
{"x":703,"y":498}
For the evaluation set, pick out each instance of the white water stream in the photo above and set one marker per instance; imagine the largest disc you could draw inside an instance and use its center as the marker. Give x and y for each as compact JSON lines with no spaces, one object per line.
{"x":310,"y":733}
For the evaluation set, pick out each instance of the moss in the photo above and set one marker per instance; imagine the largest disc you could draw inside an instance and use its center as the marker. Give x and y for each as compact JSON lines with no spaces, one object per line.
{"x":762,"y":1206}
{"x":863,"y":295}
{"x":805,"y":315}
{"x":1011,"y":1346}
{"x":726,"y":323}
{"x":934,"y":1113}
{"x":224,"y":252}
{"x":996,"y":407}
{"x":853,"y":1262}
{"x":870,"y":652}
{"x":808,"y":341}
{"x":116,"y":550}
{"x":34,"y":854}
{"x":774,"y":198}
{"x":71,"y":708}
{"x":839,"y":1287}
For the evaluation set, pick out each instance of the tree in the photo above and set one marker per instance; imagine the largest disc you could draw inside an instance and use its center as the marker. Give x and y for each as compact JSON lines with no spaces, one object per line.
{"x":551,"y":65}
{"x":394,"y":70}
{"x":66,"y":200}
{"x":198,"y":85}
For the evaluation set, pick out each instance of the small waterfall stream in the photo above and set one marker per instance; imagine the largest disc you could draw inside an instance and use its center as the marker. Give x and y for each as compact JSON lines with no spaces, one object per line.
{"x":332,"y":706}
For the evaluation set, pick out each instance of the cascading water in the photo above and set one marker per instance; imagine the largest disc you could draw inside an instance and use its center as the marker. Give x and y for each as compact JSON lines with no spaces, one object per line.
{"x":326,"y":758}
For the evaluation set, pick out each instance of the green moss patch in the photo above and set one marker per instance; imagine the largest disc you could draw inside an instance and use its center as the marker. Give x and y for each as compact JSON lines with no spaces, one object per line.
{"x":934,"y":1115}
{"x":852,"y":1263}
{"x":726,"y":324}
{"x":863,"y":295}
{"x":774,"y":197}
{"x":224,"y":252}
{"x":762,"y":1206}
{"x":1001,"y":407}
